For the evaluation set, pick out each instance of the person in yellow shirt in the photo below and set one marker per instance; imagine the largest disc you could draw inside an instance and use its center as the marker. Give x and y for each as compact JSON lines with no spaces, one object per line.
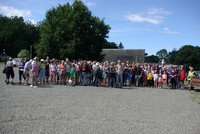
{"x":150,"y":78}
{"x":190,"y":75}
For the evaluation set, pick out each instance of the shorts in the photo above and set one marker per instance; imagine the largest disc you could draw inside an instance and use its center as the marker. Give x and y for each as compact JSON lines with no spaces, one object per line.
{"x":127,"y":75}
{"x":10,"y":72}
{"x":137,"y":76}
{"x":105,"y":75}
{"x":62,"y":74}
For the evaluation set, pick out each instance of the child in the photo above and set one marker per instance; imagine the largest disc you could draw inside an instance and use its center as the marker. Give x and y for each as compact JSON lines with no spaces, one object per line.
{"x":164,"y":79}
{"x":160,"y":81}
{"x":72,"y":74}
{"x":150,"y":78}
{"x":155,"y":78}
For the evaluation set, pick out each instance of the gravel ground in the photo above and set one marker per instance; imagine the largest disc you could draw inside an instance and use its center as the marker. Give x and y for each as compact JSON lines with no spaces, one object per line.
{"x":57,"y":109}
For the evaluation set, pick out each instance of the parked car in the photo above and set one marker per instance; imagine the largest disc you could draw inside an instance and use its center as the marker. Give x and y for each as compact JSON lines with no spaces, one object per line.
{"x":16,"y":61}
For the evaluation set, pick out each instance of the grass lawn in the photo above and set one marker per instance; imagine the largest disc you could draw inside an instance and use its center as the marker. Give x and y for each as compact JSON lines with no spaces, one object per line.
{"x":2,"y":63}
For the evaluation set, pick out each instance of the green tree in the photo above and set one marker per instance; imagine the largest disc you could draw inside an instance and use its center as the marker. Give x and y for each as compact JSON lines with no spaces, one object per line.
{"x":71,"y":31}
{"x":189,"y":55}
{"x":152,"y":59}
{"x":110,"y":45}
{"x":16,"y":34}
{"x":23,"y":54}
{"x":172,"y":56}
{"x":162,"y":54}
{"x":121,"y":46}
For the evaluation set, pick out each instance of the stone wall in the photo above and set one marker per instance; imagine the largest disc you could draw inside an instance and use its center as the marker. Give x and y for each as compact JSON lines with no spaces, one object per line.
{"x":136,"y":55}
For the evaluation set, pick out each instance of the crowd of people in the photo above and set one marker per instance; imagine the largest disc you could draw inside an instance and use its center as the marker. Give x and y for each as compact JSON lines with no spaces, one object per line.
{"x":82,"y":72}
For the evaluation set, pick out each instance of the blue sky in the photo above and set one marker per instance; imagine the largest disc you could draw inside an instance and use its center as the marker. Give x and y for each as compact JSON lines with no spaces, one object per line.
{"x":139,"y":24}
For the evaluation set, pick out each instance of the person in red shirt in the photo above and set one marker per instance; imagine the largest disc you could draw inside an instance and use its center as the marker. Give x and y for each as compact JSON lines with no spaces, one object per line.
{"x":182,"y":77}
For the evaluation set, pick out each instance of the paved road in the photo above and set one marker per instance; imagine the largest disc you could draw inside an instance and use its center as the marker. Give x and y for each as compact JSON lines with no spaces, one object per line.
{"x":90,"y":110}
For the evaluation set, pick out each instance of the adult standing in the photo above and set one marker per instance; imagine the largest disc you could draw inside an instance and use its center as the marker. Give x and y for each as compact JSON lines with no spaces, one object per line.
{"x":27,"y":68}
{"x":105,"y":74}
{"x":84,"y":71}
{"x":190,"y":75}
{"x":35,"y":72}
{"x":42,"y":71}
{"x":173,"y":76}
{"x":68,"y":66}
{"x":182,"y":77}
{"x":112,"y":74}
{"x":9,"y":71}
{"x":21,"y":70}
{"x":119,"y":72}
{"x":96,"y":72}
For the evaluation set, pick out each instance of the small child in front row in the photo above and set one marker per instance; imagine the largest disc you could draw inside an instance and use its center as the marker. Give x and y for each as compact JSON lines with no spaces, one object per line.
{"x":160,"y":81}
{"x":150,"y":78}
{"x":164,"y":80}
{"x":155,"y":78}
{"x":72,"y":75}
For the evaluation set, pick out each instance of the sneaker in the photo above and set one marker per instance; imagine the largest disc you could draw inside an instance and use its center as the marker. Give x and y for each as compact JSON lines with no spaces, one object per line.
{"x":12,"y":83}
{"x":31,"y":85}
{"x":35,"y":87}
{"x":19,"y":83}
{"x":7,"y":82}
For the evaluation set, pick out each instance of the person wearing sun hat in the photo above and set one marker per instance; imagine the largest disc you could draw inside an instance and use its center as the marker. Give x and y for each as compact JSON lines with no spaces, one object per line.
{"x":42,"y":71}
{"x":9,"y":71}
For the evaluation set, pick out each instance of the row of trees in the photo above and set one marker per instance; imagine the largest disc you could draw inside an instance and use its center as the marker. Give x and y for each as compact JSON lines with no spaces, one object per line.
{"x":187,"y":55}
{"x":67,"y":31}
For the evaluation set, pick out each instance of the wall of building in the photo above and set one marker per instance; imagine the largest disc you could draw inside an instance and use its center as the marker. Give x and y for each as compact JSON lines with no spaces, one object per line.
{"x":136,"y":55}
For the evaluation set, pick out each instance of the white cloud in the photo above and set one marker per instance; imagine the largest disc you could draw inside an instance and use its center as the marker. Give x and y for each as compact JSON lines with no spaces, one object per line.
{"x":167,"y":30}
{"x":158,"y":11}
{"x":90,"y":4}
{"x":10,"y":11}
{"x":154,"y":16}
{"x":141,"y":18}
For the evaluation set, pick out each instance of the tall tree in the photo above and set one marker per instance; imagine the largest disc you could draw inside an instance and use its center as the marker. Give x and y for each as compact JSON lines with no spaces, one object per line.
{"x":71,"y":31}
{"x":172,"y":56}
{"x":121,"y":46}
{"x":162,"y":54}
{"x":16,"y":34}
{"x":152,"y":59}
{"x":189,"y":55}
{"x":110,"y":45}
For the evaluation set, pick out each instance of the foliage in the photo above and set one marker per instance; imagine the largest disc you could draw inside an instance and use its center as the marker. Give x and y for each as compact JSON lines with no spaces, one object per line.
{"x":23,"y":54}
{"x":172,"y":56}
{"x":71,"y":31}
{"x":121,"y":46}
{"x":189,"y":55}
{"x":16,"y":34}
{"x":162,"y":54}
{"x":110,"y":45}
{"x":152,"y":59}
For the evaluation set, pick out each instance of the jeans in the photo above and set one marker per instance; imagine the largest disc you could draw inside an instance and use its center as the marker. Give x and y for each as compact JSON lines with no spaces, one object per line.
{"x":84,"y":77}
{"x":119,"y":79}
{"x":95,"y":79}
{"x":112,"y":81}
